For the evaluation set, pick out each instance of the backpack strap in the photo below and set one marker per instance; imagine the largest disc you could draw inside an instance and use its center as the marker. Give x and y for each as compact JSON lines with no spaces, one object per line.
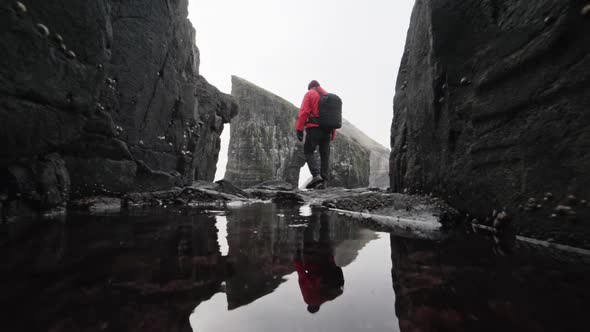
{"x":315,"y":119}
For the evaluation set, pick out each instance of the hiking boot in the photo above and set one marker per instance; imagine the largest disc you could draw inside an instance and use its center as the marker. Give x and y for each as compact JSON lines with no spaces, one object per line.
{"x":316,"y":179}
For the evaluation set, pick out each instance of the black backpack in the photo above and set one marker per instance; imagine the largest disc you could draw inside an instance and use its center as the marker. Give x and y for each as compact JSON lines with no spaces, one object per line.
{"x":330,"y":111}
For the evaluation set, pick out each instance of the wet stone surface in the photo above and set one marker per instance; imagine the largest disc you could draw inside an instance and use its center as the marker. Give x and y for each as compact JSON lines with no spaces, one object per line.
{"x":276,"y":267}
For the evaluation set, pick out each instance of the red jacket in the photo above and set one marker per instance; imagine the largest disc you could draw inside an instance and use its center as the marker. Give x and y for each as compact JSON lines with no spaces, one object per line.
{"x":310,"y":107}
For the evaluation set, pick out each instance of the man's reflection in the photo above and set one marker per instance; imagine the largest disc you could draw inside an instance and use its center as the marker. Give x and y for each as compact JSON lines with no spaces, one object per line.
{"x":320,"y":279}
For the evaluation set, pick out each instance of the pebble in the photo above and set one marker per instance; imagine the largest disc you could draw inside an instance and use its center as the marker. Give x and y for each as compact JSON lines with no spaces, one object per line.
{"x":63,"y":47}
{"x":42,"y":29}
{"x":586,"y":10}
{"x":99,"y":66}
{"x":465,"y":81}
{"x":20,"y":7}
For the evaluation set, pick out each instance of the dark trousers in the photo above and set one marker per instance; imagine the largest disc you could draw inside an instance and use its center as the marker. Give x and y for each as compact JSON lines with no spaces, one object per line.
{"x":315,"y":137}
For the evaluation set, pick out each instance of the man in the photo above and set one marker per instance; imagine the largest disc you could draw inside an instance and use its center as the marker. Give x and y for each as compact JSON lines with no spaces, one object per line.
{"x":315,"y":136}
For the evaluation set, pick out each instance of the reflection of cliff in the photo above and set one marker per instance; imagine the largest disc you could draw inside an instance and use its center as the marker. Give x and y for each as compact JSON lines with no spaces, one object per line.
{"x":260,"y":251}
{"x":462,"y":286}
{"x":126,"y":267}
{"x":262,"y":247}
{"x":263,"y":145}
{"x":148,"y":269}
{"x":347,"y":250}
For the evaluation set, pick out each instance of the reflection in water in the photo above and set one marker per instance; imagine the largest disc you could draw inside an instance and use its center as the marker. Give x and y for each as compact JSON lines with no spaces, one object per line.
{"x":262,"y":247}
{"x":281,"y":273}
{"x":481,"y":284}
{"x":320,"y":279}
{"x":305,"y":210}
{"x":250,"y":270}
{"x":221,"y":226}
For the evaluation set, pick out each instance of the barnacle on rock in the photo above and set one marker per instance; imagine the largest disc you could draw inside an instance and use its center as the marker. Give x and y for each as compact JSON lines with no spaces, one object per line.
{"x":58,"y":38}
{"x":20,"y":7}
{"x":42,"y":29}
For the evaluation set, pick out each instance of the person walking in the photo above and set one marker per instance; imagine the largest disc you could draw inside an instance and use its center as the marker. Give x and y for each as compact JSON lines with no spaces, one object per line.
{"x":315,"y":136}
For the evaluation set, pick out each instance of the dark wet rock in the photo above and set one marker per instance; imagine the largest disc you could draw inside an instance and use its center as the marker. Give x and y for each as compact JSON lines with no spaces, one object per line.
{"x":394,"y":205}
{"x":113,"y":78}
{"x":263,"y":145}
{"x":169,"y":197}
{"x":274,"y":185}
{"x":201,"y":192}
{"x":287,"y":197}
{"x":514,"y":122}
{"x":227,"y":187}
{"x":96,"y":204}
{"x":34,"y":185}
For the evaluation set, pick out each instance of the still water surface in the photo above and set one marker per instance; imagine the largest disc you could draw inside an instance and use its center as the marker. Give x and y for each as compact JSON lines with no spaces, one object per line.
{"x":265,"y":267}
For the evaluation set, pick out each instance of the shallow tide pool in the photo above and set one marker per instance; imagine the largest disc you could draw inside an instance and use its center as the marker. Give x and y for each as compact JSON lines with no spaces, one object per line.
{"x":265,"y":267}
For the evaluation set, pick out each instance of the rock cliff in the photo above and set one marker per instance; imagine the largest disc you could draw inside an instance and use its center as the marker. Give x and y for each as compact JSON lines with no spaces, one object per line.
{"x":263,"y":145}
{"x":101,"y":97}
{"x":491,"y":104}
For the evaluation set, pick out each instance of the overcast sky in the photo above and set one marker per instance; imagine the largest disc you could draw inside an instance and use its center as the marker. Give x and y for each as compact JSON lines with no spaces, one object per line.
{"x":353,"y":48}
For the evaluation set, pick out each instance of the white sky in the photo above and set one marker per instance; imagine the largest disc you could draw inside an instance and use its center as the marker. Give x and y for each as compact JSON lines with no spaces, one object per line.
{"x":353,"y":48}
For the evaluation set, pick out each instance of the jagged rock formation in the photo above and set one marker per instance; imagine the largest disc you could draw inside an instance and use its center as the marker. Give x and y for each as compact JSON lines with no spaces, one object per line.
{"x":263,"y":145}
{"x":105,"y":95}
{"x":491,"y":104}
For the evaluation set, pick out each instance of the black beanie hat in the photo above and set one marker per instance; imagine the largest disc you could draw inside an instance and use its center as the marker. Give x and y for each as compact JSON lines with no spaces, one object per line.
{"x":313,"y":84}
